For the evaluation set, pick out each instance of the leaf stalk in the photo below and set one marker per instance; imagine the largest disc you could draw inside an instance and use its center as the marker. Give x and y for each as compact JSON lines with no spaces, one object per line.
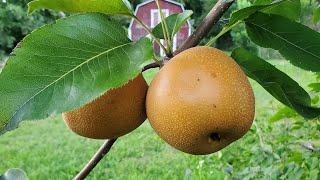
{"x":224,"y":30}
{"x":165,"y":29}
{"x":145,"y":27}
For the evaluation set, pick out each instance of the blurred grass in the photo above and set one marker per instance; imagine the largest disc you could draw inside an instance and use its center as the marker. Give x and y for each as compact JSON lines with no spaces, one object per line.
{"x":46,"y":149}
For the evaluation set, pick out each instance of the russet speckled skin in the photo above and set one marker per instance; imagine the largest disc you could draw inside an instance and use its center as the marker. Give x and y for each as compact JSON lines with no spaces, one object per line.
{"x":114,"y":114}
{"x":200,"y":93}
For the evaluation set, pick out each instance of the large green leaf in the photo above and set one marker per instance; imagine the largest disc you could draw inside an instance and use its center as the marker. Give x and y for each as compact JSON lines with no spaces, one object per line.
{"x":240,"y":15}
{"x":277,"y":83}
{"x":76,"y":6}
{"x":174,"y":22}
{"x":289,"y":8}
{"x":244,"y":13}
{"x":296,"y":42}
{"x":62,"y":66}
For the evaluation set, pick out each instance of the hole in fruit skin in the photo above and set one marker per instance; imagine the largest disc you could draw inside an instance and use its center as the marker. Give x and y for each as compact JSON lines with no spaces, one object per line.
{"x":215,"y":137}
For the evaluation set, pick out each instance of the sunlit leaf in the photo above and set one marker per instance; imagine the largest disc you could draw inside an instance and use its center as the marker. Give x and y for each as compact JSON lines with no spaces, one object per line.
{"x":76,"y":6}
{"x":244,"y":13}
{"x":289,"y":8}
{"x":315,"y":100}
{"x":315,"y":87}
{"x":316,"y":15}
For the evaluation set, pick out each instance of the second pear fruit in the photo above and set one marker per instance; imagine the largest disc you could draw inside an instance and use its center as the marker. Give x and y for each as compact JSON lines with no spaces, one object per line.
{"x":200,"y":101}
{"x":116,"y":113}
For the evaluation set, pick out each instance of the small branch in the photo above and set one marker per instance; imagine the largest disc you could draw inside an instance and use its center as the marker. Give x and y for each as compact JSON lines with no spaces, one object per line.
{"x":208,"y":22}
{"x":152,"y":65}
{"x":104,"y":149}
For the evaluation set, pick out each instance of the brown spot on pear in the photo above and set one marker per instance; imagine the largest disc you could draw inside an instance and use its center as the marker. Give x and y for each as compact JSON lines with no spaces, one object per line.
{"x":114,"y":114}
{"x":200,"y":116}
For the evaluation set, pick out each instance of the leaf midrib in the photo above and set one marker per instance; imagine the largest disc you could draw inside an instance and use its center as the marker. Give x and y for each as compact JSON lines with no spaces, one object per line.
{"x":280,"y":37}
{"x":64,"y":75}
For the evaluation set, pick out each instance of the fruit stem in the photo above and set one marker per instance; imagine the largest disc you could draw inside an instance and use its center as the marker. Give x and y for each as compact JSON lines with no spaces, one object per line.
{"x":206,"y":25}
{"x":104,"y":149}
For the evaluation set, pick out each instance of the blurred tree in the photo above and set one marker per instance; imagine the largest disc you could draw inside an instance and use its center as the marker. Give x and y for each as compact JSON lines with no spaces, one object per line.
{"x":15,"y":23}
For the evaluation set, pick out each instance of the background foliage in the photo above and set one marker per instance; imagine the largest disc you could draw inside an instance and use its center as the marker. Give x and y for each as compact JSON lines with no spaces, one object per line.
{"x":15,"y":23}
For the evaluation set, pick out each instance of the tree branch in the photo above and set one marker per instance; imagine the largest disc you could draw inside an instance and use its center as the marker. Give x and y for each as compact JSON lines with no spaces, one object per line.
{"x":104,"y":149}
{"x":206,"y":25}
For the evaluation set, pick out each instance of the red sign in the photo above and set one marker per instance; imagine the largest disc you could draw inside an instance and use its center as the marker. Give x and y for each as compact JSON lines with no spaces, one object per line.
{"x":149,"y":14}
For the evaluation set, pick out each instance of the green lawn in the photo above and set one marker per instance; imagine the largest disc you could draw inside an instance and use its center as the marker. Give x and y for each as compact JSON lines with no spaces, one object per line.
{"x":46,"y":149}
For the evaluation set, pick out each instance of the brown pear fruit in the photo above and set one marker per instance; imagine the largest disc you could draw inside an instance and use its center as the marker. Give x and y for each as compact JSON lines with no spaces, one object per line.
{"x":114,"y":114}
{"x":200,"y":101}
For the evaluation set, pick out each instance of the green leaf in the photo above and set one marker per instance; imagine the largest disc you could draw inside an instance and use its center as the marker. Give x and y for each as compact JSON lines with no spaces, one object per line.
{"x":62,"y":66}
{"x":316,"y":15}
{"x":296,"y":42}
{"x":315,"y":87}
{"x":282,"y":113}
{"x":318,"y":76}
{"x":315,"y":99}
{"x":290,"y":8}
{"x":244,"y":13}
{"x":174,"y":22}
{"x":77,"y":6}
{"x":14,"y":174}
{"x":237,"y":17}
{"x":277,"y":83}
